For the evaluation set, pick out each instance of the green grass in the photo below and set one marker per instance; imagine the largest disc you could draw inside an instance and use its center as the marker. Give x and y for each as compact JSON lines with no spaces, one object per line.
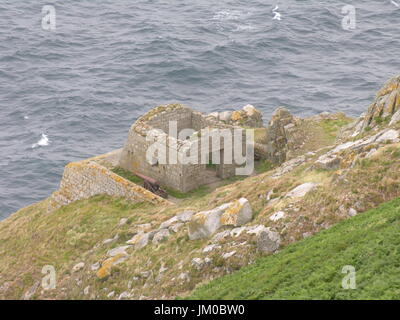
{"x":196,"y":193}
{"x":127,"y":175}
{"x":263,"y":166}
{"x":332,"y":126}
{"x":312,"y":268}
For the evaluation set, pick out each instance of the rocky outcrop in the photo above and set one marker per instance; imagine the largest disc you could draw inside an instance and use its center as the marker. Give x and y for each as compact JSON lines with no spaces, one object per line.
{"x":206,"y":223}
{"x":277,"y":142}
{"x":328,"y":162}
{"x":107,"y":265}
{"x":386,"y":104}
{"x":384,"y":110}
{"x":367,"y":146}
{"x":301,"y":190}
{"x":248,"y":117}
{"x":268,"y":241}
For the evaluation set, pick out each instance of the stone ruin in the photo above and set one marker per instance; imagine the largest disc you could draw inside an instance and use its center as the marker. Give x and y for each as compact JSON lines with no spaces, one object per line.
{"x":154,"y":129}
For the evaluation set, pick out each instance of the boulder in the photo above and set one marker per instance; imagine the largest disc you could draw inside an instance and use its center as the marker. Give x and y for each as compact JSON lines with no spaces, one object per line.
{"x":214,"y":115}
{"x":160,"y":236}
{"x":389,"y":135}
{"x":78,"y":266}
{"x":236,"y":232}
{"x":116,"y":251}
{"x":352,"y":212}
{"x":301,"y":190}
{"x":124,"y":296}
{"x":328,"y":162}
{"x":204,"y":224}
{"x":250,"y":110}
{"x":288,"y":166}
{"x":225,"y":115}
{"x":221,"y":235}
{"x":371,"y":152}
{"x":184,"y":277}
{"x":169,"y":222}
{"x":107,"y":265}
{"x":256,"y":230}
{"x":140,"y":240}
{"x":95,"y":266}
{"x":185,"y":216}
{"x":277,"y":216}
{"x":211,"y":247}
{"x":227,"y":255}
{"x":248,"y":117}
{"x":111,"y":240}
{"x":237,"y":214}
{"x":122,"y":222}
{"x":395,"y":118}
{"x":176,"y":227}
{"x":198,"y":263}
{"x":268,"y":241}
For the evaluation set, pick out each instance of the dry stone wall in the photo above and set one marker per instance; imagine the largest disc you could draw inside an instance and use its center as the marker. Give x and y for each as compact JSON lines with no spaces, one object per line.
{"x":82,"y":180}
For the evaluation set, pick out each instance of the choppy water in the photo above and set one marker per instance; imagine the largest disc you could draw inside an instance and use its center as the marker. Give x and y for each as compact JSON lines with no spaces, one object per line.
{"x":73,"y":93}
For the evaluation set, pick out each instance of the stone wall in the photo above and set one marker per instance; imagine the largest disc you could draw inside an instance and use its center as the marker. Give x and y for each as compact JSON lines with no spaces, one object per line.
{"x":153,"y":127}
{"x":182,"y":116}
{"x":82,"y":180}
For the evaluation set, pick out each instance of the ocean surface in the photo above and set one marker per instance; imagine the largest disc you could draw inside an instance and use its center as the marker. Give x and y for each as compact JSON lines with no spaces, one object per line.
{"x":72,"y":93}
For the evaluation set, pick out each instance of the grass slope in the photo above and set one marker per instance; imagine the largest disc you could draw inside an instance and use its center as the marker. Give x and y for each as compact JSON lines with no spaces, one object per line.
{"x":311,"y":269}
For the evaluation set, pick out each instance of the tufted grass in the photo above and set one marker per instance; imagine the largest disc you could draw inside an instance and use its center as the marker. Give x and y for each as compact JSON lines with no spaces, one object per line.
{"x":127,"y":175}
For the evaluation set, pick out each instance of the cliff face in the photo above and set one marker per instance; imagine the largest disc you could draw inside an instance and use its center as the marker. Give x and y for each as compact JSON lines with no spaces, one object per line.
{"x":386,"y":107}
{"x":110,"y":248}
{"x":385,"y":110}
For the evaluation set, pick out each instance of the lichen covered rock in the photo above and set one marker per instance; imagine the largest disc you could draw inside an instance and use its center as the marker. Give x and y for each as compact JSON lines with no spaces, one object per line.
{"x":276,"y":135}
{"x":385,"y":106}
{"x":107,"y":265}
{"x":237,"y":214}
{"x":301,"y":190}
{"x":268,"y":241}
{"x":248,"y":117}
{"x":206,"y":223}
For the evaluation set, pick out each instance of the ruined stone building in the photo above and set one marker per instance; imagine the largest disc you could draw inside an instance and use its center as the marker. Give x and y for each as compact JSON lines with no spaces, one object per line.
{"x":174,"y":131}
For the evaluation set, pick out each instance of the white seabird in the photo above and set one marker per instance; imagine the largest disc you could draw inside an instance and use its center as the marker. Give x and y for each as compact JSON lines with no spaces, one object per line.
{"x":277,"y":15}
